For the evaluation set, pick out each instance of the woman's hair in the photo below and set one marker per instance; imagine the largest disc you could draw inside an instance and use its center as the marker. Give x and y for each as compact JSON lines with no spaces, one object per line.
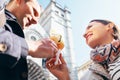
{"x":116,"y":33}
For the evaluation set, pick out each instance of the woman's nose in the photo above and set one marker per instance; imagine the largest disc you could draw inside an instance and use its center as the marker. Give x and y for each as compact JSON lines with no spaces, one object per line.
{"x":84,"y":35}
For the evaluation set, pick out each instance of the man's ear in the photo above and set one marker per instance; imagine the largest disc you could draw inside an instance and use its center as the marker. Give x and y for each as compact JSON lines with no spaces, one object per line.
{"x":18,"y":2}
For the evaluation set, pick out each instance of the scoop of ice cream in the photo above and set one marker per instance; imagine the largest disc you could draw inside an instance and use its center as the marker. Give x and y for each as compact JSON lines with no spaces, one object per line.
{"x":58,"y":40}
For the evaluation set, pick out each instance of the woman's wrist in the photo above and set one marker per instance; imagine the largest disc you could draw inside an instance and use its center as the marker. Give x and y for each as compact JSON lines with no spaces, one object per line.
{"x":67,"y":77}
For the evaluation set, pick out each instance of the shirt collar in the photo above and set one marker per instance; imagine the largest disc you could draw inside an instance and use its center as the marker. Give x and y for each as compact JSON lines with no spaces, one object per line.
{"x":10,"y":15}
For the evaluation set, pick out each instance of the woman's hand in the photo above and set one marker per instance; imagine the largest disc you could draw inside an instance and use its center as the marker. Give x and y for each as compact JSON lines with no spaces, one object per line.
{"x":60,"y":70}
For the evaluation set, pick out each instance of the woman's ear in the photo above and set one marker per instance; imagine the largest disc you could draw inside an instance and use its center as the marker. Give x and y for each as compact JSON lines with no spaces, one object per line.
{"x":110,"y":27}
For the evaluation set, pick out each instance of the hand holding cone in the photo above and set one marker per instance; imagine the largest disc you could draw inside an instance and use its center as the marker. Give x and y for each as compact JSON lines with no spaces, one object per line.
{"x":58,"y":40}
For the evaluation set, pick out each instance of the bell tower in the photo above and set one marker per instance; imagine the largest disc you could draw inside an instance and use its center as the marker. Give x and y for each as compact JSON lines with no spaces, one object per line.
{"x":56,"y":20}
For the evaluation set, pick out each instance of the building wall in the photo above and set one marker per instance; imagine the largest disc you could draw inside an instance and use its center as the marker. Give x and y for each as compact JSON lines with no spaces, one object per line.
{"x":35,"y":32}
{"x":83,"y":68}
{"x":56,"y":20}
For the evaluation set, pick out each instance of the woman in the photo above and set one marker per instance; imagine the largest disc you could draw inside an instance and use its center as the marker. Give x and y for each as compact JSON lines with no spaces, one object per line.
{"x":103,"y":37}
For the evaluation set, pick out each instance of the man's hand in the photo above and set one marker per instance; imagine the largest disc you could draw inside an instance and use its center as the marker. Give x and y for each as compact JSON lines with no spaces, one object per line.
{"x":45,"y":48}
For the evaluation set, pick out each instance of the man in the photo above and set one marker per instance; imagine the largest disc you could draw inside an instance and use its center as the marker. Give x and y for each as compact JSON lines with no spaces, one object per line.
{"x":20,"y":14}
{"x":23,"y":13}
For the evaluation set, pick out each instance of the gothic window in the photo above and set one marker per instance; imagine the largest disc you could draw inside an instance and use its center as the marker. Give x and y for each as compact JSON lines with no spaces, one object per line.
{"x":32,"y":34}
{"x":62,"y":15}
{"x":56,"y":12}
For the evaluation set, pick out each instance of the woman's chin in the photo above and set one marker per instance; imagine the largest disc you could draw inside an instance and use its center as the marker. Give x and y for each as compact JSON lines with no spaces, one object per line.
{"x":92,"y":45}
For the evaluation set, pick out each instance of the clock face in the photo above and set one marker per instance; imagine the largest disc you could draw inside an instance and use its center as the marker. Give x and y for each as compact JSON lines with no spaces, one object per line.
{"x":32,"y":34}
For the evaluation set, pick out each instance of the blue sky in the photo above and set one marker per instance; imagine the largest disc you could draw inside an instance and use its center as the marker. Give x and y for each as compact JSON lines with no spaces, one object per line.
{"x":82,"y":11}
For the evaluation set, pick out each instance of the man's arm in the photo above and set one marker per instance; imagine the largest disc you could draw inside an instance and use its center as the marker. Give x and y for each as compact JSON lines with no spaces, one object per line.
{"x":10,"y":48}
